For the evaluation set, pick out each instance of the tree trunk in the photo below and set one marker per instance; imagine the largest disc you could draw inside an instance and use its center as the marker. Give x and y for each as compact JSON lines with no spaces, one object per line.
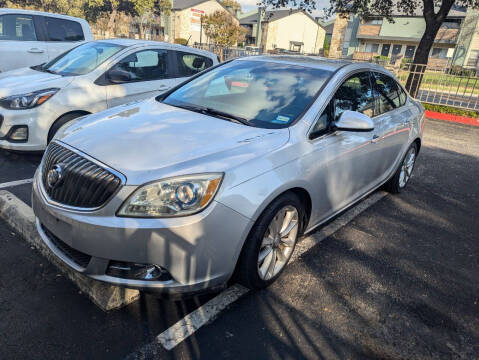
{"x":111,"y":21}
{"x":142,"y":29}
{"x":433,"y":23}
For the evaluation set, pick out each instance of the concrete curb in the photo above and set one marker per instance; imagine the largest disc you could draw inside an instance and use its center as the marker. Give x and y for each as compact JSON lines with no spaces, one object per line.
{"x":21,"y":218}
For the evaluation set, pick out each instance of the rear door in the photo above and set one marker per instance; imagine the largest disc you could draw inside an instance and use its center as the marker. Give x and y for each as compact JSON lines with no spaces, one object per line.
{"x":19,"y":45}
{"x":61,"y":35}
{"x":150,"y":71}
{"x":392,"y":118}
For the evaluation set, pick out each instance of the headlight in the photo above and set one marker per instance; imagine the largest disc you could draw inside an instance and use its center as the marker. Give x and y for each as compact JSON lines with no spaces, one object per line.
{"x":178,"y":196}
{"x":27,"y":101}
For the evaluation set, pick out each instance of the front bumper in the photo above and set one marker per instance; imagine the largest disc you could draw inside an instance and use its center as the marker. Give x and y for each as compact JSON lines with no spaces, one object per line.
{"x":37,"y":120}
{"x":198,"y":251}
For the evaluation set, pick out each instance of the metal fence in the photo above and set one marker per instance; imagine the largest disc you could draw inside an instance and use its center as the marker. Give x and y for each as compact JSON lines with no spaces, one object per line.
{"x":440,"y":85}
{"x":450,"y":85}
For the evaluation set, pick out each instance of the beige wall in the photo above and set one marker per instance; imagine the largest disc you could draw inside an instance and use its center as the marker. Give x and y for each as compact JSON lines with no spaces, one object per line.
{"x":187,"y":21}
{"x":296,"y":27}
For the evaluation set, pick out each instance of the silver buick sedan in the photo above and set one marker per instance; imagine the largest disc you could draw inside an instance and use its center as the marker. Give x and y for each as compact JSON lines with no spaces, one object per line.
{"x":219,"y":177}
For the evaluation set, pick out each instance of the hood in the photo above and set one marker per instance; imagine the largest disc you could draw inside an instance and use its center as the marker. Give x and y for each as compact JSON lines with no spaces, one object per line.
{"x":25,"y":80}
{"x":148,"y":141}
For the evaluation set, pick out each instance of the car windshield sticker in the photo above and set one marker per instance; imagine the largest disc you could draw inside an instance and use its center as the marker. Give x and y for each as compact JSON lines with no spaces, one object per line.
{"x":280,"y":119}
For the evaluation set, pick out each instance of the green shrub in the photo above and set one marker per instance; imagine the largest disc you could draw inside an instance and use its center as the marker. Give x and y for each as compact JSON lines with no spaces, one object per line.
{"x":451,"y":110}
{"x":181,"y":41}
{"x":460,"y":71}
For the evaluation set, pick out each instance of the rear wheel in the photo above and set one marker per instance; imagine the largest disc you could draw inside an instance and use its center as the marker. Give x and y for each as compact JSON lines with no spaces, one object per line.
{"x":404,"y":172}
{"x":271,"y":242}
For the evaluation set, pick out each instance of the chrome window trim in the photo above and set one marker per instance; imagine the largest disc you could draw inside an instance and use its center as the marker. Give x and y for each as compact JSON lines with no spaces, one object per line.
{"x":58,"y":205}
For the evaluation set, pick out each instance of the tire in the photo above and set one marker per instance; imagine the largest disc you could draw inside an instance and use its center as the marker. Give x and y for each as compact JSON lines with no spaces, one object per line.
{"x":400,"y":180}
{"x":62,"y":120}
{"x":248,"y":270}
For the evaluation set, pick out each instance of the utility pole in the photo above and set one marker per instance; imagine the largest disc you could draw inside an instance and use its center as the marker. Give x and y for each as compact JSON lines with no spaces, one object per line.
{"x":259,"y":29}
{"x":201,"y":30}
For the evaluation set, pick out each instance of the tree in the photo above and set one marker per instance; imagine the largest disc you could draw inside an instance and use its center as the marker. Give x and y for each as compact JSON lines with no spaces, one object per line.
{"x":232,"y":4}
{"x":222,"y":30}
{"x":149,"y":12}
{"x":433,"y":11}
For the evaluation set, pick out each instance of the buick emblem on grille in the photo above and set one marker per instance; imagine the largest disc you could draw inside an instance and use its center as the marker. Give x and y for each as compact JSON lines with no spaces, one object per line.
{"x":54,"y":176}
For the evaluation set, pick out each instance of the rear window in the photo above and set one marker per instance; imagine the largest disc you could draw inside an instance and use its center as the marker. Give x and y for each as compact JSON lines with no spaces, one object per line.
{"x":17,"y":28}
{"x":63,"y":30}
{"x":191,"y":64}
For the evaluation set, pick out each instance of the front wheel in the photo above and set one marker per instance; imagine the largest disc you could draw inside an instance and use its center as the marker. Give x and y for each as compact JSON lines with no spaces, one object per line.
{"x":404,"y":172}
{"x":271,"y":242}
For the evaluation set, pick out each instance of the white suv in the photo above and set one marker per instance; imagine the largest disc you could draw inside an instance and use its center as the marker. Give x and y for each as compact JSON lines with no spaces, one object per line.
{"x":36,"y":102}
{"x":29,"y":38}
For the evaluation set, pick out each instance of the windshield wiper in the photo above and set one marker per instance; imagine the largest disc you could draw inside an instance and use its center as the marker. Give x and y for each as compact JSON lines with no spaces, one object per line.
{"x":209,"y":111}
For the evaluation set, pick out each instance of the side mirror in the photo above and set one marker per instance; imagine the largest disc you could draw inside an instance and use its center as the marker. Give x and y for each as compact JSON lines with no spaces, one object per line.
{"x":354,"y":121}
{"x":117,"y":76}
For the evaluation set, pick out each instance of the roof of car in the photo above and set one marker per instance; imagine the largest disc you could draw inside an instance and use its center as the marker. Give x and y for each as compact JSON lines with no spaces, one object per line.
{"x":133,"y":42}
{"x":317,"y":62}
{"x":307,"y":61}
{"x":35,"y":12}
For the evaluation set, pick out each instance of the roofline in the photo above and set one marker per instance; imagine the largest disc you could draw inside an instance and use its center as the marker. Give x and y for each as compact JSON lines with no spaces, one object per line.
{"x":203,"y":1}
{"x":130,"y":43}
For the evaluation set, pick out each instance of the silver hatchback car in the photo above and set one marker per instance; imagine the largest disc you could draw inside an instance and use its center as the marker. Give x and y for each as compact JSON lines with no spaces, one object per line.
{"x":222,"y":174}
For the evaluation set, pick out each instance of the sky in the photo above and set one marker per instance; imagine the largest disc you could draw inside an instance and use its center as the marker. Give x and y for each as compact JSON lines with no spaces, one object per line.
{"x":249,"y":5}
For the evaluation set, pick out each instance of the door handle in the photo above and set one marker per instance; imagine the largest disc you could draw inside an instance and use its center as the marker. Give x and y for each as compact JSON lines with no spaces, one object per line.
{"x":375,"y":139}
{"x":163,"y":87}
{"x":36,"y":51}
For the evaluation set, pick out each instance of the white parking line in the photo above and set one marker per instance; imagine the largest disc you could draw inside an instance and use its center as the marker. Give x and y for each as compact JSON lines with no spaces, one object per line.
{"x":207,"y":312}
{"x":15,"y":183}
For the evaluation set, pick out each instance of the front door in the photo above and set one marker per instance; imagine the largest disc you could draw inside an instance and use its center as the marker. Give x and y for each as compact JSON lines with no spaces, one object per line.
{"x":385,"y":50}
{"x":150,"y":75}
{"x":344,"y":166}
{"x":19,"y":46}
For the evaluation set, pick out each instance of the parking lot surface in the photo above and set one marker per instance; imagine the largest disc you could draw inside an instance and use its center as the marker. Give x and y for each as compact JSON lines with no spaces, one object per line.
{"x":400,"y":281}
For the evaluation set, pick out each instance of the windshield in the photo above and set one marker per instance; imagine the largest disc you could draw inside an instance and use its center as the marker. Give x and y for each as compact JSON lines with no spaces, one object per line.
{"x":259,"y":93}
{"x":82,"y":59}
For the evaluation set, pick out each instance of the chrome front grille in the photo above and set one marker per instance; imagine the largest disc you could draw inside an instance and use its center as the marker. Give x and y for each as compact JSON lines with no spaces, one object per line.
{"x":71,"y":179}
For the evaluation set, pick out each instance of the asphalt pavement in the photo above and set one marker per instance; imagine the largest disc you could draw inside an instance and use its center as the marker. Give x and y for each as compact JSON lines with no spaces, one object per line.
{"x":400,"y":281}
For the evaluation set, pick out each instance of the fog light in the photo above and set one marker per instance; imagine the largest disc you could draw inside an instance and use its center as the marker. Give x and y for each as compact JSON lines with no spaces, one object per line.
{"x":18,"y":133}
{"x":134,"y":271}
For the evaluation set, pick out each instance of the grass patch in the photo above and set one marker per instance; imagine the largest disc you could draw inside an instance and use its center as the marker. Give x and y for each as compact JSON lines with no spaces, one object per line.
{"x":451,"y":110}
{"x":435,"y":81}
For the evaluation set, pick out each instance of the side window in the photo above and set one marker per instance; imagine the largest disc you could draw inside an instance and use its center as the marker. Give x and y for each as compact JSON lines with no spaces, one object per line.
{"x":387,"y":93}
{"x":190,"y":64}
{"x":322,"y":124}
{"x":145,"y":65}
{"x":63,"y":30}
{"x":17,"y":27}
{"x":354,"y":94}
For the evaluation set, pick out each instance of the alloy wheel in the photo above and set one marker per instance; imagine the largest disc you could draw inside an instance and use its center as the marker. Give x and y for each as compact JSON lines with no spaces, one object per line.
{"x":407,"y":167}
{"x":278,"y":242}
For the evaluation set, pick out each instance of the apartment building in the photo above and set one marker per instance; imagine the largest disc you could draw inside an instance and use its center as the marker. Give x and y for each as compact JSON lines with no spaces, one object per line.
{"x":455,"y":42}
{"x":185,"y":19}
{"x":288,"y":30}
